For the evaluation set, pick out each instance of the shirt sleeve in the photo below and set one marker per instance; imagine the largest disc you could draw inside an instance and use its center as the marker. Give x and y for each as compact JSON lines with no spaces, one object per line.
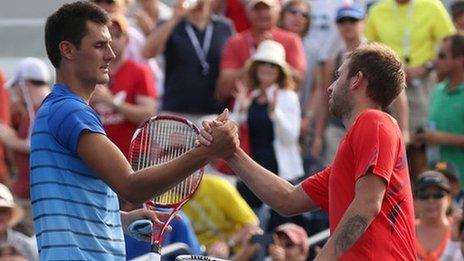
{"x":69,"y":119}
{"x":230,"y":59}
{"x":374,"y":142}
{"x":317,"y":188}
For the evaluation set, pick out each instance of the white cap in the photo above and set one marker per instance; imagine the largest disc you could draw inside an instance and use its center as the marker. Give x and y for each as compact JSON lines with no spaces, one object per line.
{"x":30,"y":69}
{"x":6,"y":201}
{"x":270,"y":3}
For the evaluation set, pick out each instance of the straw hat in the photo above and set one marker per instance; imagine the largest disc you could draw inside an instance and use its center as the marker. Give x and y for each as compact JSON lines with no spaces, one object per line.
{"x":6,"y":201}
{"x":272,"y":52}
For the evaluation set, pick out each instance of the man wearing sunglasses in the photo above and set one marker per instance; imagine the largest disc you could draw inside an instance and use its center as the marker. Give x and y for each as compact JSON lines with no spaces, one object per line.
{"x":446,"y":110}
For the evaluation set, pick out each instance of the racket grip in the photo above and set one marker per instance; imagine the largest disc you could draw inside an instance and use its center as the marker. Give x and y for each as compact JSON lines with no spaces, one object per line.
{"x":152,"y":256}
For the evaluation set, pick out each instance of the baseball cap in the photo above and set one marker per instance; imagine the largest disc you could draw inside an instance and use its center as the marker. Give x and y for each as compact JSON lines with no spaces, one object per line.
{"x":446,"y":168}
{"x":432,"y":178}
{"x":6,"y":201}
{"x":270,"y":3}
{"x":296,"y":234}
{"x":30,"y":68}
{"x":354,"y":10}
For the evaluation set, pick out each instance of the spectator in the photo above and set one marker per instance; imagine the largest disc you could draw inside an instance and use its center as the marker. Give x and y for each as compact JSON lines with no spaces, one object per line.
{"x":406,"y":26}
{"x":10,"y":253}
{"x":433,"y":228}
{"x":290,"y":243}
{"x":28,"y":88}
{"x":294,"y":17}
{"x":129,"y":98}
{"x":457,"y":14}
{"x":451,"y":173}
{"x":272,"y":114}
{"x":446,"y":113}
{"x":263,"y":16}
{"x":10,"y":215}
{"x":191,"y":43}
{"x":220,"y":217}
{"x":350,"y":24}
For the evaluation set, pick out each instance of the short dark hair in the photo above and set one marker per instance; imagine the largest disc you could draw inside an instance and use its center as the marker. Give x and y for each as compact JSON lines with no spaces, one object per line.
{"x":383,"y":70}
{"x":69,"y":23}
{"x":457,"y":44}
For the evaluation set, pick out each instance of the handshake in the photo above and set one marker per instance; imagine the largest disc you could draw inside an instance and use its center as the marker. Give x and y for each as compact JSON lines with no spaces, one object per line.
{"x":219,"y":137}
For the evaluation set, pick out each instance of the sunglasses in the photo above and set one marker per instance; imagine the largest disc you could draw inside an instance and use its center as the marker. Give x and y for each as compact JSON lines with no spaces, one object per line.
{"x":296,"y":11}
{"x":350,"y":20}
{"x":426,"y":196}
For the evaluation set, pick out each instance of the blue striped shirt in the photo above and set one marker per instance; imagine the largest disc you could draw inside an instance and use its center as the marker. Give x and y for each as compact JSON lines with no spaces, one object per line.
{"x":76,"y":215}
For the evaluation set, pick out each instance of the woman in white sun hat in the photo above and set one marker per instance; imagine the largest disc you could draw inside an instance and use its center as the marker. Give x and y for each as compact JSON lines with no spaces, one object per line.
{"x":10,"y":215}
{"x":271,"y":111}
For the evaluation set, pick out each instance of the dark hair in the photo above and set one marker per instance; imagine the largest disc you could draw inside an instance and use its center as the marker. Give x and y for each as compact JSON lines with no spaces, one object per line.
{"x":383,"y":70}
{"x":457,"y":9}
{"x":285,"y":9}
{"x":457,"y":44}
{"x":69,"y":23}
{"x":285,"y":80}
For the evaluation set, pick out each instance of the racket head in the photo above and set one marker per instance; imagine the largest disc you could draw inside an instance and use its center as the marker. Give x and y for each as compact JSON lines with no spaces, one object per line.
{"x":158,"y":140}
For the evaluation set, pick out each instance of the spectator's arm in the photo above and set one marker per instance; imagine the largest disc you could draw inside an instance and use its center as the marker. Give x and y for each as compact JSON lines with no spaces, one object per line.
{"x":156,"y":41}
{"x":442,"y":25}
{"x":226,"y":82}
{"x":402,"y":111}
{"x":144,"y":108}
{"x":10,"y":139}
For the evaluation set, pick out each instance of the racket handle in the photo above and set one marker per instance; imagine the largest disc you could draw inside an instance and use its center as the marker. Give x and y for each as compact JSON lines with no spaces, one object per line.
{"x":155,"y":254}
{"x":152,"y":256}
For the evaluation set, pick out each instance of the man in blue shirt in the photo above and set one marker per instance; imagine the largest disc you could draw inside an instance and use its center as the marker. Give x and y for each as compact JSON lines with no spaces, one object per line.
{"x":76,"y":171}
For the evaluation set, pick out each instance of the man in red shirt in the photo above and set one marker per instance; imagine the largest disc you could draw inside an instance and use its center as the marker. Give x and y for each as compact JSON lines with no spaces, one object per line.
{"x":366,"y":190}
{"x":130,"y":96}
{"x":263,"y":16}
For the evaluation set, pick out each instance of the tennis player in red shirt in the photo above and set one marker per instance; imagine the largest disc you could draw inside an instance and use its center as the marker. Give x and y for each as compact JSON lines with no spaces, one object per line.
{"x":366,"y":190}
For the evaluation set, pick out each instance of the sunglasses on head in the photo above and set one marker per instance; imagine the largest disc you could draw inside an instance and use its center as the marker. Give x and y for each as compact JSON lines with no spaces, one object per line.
{"x":296,"y":11}
{"x":350,"y":20}
{"x":425,"y":195}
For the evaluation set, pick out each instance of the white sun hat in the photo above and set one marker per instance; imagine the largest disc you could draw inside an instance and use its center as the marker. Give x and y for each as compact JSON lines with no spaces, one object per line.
{"x":271,"y":52}
{"x":7,"y":201}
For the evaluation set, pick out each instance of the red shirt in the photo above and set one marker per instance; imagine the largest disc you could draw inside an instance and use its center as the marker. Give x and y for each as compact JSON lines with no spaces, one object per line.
{"x":240,"y":47}
{"x":373,"y":144}
{"x":4,"y":118}
{"x":134,"y":79}
{"x":235,"y":11}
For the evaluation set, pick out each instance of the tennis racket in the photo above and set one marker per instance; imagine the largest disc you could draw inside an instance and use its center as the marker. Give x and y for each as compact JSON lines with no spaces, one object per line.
{"x":196,"y":257}
{"x":159,"y":140}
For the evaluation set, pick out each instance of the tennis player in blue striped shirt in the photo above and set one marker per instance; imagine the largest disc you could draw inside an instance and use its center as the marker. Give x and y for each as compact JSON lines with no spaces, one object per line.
{"x":76,"y":171}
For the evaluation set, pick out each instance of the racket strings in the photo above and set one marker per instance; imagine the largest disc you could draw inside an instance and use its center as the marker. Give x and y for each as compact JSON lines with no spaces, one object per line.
{"x":161,"y":141}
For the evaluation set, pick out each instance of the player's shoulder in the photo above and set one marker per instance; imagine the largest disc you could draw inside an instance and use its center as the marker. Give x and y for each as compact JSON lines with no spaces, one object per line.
{"x":374,"y":117}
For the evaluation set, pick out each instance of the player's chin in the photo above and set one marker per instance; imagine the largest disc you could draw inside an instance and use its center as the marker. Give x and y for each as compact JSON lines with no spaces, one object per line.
{"x":103,"y":79}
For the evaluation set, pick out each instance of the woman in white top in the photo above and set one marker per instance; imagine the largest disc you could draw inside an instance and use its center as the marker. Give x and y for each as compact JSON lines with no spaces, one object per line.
{"x":271,"y":111}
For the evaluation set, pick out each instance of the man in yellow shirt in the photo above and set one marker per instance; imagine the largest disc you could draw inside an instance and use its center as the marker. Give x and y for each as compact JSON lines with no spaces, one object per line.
{"x":413,"y":28}
{"x":220,"y":216}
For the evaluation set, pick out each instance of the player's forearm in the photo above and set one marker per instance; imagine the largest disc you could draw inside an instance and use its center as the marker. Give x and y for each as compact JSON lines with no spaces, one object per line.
{"x":154,"y":181}
{"x":270,"y":188}
{"x":136,"y":113}
{"x":352,"y":226}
